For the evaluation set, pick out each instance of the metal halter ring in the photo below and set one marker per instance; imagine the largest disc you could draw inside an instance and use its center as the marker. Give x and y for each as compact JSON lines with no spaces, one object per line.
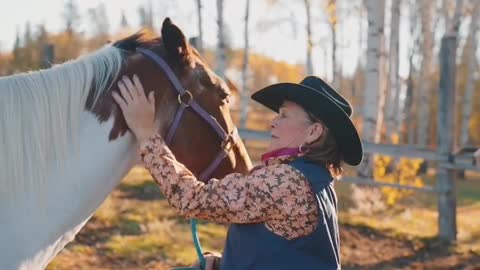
{"x":187,"y":101}
{"x":228,"y":143}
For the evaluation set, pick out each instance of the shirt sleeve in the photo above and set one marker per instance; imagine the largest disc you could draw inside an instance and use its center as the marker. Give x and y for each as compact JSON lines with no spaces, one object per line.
{"x":268,"y":193}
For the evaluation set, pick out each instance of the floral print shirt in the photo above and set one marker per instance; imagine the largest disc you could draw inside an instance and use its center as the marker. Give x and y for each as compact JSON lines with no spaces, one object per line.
{"x":276,"y":193}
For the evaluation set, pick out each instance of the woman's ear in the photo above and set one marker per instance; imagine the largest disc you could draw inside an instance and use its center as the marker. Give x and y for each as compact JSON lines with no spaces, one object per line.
{"x":315,"y":131}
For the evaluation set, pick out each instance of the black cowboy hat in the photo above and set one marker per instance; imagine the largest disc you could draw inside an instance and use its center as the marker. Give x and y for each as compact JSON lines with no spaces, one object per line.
{"x":317,"y":97}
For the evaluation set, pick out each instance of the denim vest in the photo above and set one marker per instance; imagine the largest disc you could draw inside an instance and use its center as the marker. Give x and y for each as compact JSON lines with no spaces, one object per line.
{"x":253,"y":246}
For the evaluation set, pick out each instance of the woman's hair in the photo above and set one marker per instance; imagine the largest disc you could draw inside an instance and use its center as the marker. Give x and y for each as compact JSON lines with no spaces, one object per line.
{"x":324,"y":150}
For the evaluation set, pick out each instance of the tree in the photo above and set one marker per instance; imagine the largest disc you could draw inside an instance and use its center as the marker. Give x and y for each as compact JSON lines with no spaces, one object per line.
{"x":409,"y":108}
{"x":375,"y":13}
{"x":309,"y":36}
{"x":146,"y":16}
{"x":426,"y":70}
{"x":71,"y":16}
{"x":100,"y":26}
{"x":393,"y":122}
{"x":17,"y":53}
{"x":451,"y":22}
{"x":472,"y":72}
{"x":221,"y":59}
{"x":29,"y":49}
{"x":331,"y":11}
{"x":123,"y":21}
{"x":245,"y":88}
{"x":199,"y":40}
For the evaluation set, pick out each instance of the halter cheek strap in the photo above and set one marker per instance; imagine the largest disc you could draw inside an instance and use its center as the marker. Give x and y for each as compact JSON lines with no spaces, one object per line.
{"x":186,"y":100}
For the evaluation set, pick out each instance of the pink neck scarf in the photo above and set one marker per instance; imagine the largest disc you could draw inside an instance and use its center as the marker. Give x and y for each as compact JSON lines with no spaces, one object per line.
{"x":280,"y":152}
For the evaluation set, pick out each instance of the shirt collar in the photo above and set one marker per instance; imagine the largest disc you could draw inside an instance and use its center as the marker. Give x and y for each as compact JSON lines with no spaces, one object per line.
{"x":282,"y":155}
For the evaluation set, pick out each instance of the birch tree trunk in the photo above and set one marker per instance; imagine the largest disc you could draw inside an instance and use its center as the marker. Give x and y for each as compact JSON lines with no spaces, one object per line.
{"x":393,"y":112}
{"x":424,"y":86}
{"x":309,"y":37}
{"x":472,"y":73}
{"x":375,"y":15}
{"x":221,"y":46}
{"x":452,"y":22}
{"x":457,"y":16}
{"x":411,"y":100}
{"x":245,"y":88}
{"x":446,"y":7}
{"x":382,"y":78}
{"x":332,"y":20}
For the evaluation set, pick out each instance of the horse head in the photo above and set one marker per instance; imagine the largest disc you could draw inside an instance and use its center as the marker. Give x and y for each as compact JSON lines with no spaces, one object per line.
{"x":65,"y":145}
{"x":195,"y":143}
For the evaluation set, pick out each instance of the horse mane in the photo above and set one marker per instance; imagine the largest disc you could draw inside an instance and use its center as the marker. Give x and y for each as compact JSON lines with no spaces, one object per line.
{"x":141,"y":39}
{"x":41,"y":115}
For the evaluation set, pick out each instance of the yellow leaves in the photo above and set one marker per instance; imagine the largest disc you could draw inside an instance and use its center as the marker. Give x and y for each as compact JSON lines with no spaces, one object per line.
{"x":331,"y":11}
{"x":475,"y":125}
{"x":402,"y":171}
{"x":265,"y":70}
{"x":395,"y":138}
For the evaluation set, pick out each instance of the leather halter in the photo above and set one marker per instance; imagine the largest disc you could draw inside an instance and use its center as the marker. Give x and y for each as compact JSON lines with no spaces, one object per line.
{"x":186,"y":100}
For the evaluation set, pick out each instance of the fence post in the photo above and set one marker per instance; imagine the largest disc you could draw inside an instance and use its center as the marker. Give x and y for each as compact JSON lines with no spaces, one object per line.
{"x":447,"y":217}
{"x":48,"y":55}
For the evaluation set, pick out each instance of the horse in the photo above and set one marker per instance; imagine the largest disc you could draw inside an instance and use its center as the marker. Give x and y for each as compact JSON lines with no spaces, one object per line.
{"x":65,"y":145}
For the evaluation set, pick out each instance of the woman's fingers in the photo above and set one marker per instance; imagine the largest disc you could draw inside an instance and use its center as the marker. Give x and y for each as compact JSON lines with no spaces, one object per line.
{"x":138,"y":86}
{"x":130,"y":87}
{"x":151,"y":98}
{"x":119,"y":100}
{"x":125,"y":93}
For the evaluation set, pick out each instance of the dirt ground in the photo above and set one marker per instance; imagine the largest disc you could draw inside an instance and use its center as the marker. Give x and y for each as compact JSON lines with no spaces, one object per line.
{"x":135,"y":229}
{"x":364,"y":248}
{"x":361,"y":248}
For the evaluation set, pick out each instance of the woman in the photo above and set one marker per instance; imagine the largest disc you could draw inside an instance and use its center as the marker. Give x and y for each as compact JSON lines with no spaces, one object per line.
{"x":283,"y":214}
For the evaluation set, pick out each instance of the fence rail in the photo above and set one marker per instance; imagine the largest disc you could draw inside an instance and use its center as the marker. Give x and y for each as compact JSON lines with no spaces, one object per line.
{"x":446,"y":160}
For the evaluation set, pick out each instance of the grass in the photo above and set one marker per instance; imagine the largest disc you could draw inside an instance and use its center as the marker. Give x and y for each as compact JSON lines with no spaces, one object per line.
{"x":135,"y":228}
{"x":416,"y":216}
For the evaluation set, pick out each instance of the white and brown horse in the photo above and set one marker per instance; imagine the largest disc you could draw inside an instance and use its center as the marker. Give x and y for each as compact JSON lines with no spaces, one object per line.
{"x":64,"y":144}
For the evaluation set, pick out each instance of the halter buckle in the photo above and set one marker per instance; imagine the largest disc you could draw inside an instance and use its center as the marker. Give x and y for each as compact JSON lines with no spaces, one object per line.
{"x":185,"y":98}
{"x":228,"y":143}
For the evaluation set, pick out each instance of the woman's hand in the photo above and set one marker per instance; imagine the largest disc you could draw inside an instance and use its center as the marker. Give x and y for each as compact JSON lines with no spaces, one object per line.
{"x":138,"y":110}
{"x":212,"y":261}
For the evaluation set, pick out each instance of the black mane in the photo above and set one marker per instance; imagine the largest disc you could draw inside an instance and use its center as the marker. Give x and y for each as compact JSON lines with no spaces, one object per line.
{"x":141,"y":39}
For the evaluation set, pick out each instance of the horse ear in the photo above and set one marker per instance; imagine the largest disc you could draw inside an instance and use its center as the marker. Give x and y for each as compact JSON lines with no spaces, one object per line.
{"x":175,"y":41}
{"x":235,"y":92}
{"x":232,"y":86}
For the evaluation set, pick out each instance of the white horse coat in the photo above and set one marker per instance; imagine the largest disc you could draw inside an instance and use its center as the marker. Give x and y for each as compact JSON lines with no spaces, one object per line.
{"x":57,"y":164}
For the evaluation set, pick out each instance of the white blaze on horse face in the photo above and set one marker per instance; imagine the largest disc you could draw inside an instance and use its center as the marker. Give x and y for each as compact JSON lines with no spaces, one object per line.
{"x":37,"y":225}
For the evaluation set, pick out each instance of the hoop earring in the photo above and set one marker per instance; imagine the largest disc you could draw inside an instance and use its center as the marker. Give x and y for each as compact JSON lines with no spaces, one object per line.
{"x":301,"y":149}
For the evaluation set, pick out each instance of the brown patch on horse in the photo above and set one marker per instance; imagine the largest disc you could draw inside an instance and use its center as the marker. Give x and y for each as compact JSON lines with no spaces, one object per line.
{"x":177,"y":54}
{"x":193,"y":135}
{"x":106,"y":107}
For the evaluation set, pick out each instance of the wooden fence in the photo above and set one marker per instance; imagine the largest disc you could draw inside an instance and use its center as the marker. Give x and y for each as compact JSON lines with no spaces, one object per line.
{"x":446,"y":161}
{"x":444,"y":157}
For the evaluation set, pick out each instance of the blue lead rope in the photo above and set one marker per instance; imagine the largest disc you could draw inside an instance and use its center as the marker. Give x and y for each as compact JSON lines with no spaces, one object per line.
{"x":196,"y":242}
{"x":198,"y":248}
